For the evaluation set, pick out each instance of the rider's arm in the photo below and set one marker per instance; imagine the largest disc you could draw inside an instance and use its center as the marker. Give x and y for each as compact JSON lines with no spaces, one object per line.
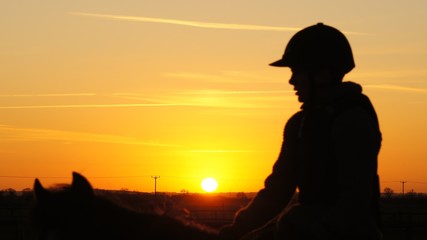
{"x":279,"y":187}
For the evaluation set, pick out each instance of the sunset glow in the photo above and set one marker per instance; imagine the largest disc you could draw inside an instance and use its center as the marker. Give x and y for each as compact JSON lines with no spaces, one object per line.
{"x":122,"y":91}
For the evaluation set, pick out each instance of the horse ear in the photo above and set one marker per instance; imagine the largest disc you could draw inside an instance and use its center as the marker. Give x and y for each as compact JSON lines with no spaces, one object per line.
{"x":81,"y":186}
{"x":40,"y":192}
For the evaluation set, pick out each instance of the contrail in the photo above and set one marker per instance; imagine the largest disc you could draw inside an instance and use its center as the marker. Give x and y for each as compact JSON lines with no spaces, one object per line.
{"x":189,"y":23}
{"x":198,"y":24}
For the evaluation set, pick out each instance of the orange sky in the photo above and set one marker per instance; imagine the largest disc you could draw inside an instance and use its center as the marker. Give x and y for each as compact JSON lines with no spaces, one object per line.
{"x":122,"y":91}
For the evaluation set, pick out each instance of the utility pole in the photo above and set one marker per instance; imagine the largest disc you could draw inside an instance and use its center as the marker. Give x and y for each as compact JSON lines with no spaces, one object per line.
{"x":155,"y":184}
{"x":403,"y":188}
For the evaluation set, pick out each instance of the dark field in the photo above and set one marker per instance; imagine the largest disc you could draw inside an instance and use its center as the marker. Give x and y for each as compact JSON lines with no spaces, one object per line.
{"x":403,"y":218}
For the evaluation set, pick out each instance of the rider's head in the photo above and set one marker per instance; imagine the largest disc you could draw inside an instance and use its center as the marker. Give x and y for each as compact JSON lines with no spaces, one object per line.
{"x":316,"y":47}
{"x":320,"y":54}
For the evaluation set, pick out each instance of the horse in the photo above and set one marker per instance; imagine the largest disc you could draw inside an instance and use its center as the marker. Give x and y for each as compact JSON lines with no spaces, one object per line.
{"x":76,"y":212}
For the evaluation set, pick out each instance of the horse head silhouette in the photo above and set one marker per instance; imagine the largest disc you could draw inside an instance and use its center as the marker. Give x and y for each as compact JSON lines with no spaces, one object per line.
{"x":76,"y":212}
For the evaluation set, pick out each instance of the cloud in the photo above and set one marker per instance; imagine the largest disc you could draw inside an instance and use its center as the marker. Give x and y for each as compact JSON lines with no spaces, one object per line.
{"x":204,"y":77}
{"x":194,"y":102}
{"x":48,"y":95}
{"x":396,"y":88}
{"x":10,"y":133}
{"x":148,"y":102}
{"x":198,"y":24}
{"x":220,"y":151}
{"x":212,"y":102}
{"x":139,"y":96}
{"x":92,"y":106}
{"x":410,"y":75}
{"x":226,"y":99}
{"x":16,"y":134}
{"x":226,"y":77}
{"x":250,"y":92}
{"x":189,"y":23}
{"x":245,"y":99}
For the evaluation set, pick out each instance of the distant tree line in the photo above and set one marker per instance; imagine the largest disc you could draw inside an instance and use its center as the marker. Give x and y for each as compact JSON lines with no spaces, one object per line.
{"x":389,"y":193}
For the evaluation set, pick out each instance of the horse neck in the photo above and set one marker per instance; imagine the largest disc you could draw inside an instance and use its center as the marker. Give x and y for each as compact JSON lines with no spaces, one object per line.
{"x":107,"y":213}
{"x":137,"y":225}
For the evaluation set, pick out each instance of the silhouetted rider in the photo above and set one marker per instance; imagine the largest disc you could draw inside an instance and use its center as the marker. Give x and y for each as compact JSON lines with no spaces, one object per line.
{"x":329,"y":152}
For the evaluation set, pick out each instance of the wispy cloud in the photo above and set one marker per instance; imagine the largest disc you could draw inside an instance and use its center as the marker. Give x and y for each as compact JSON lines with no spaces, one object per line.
{"x":11,"y":133}
{"x":227,"y":99}
{"x":193,"y":98}
{"x":213,"y":102}
{"x":147,"y":102}
{"x":396,"y":88}
{"x":93,"y":106}
{"x":195,"y":102}
{"x":219,"y":92}
{"x":203,"y":77}
{"x":48,"y":95}
{"x":410,"y":75}
{"x":188,"y":23}
{"x":198,"y":24}
{"x":225,"y":77}
{"x":220,"y":151}
{"x":18,"y":134}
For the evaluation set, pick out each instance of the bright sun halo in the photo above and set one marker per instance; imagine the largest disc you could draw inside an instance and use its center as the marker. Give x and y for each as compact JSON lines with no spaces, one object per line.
{"x":209,"y":184}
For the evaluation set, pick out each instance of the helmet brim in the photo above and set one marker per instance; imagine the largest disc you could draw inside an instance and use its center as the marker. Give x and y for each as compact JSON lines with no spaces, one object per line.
{"x":279,"y":63}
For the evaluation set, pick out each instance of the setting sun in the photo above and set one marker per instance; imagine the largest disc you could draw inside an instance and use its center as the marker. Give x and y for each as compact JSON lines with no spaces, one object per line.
{"x":209,"y":184}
